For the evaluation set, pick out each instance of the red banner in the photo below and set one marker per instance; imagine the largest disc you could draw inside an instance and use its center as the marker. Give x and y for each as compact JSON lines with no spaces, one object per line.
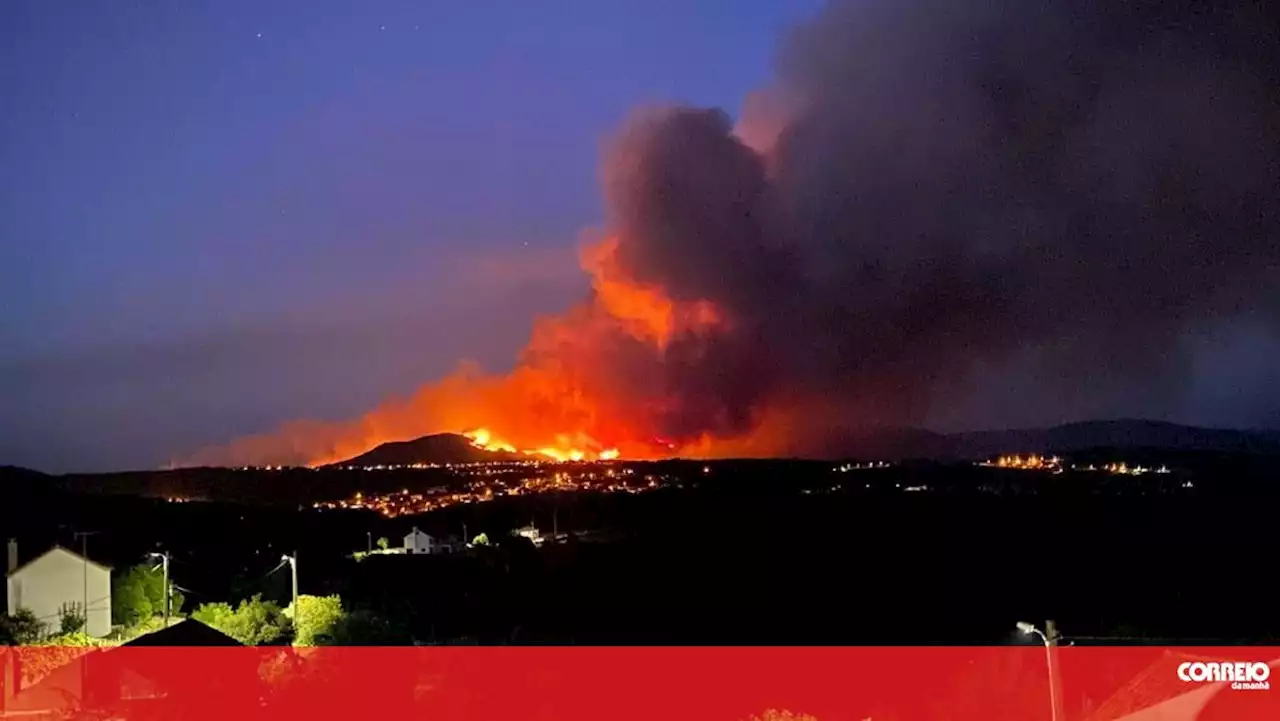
{"x":648,"y":683}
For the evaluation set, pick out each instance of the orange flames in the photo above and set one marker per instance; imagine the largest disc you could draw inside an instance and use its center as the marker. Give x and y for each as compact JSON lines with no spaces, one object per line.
{"x":565,"y":400}
{"x":481,"y":438}
{"x":589,"y":385}
{"x":645,"y":311}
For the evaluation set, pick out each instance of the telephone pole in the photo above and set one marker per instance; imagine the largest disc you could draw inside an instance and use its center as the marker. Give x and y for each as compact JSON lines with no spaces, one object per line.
{"x":1055,"y":680}
{"x":293,"y":569}
{"x":164,"y":562}
{"x":83,"y":537}
{"x":1050,"y":638}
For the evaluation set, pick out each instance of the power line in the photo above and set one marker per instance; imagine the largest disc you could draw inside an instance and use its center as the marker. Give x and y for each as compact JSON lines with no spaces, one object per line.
{"x":279,"y":566}
{"x":188,"y":590}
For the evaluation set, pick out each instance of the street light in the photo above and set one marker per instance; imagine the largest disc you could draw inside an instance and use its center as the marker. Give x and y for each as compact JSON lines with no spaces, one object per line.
{"x":1029,"y":628}
{"x":293,"y":567}
{"x":164,"y":562}
{"x":1049,"y":640}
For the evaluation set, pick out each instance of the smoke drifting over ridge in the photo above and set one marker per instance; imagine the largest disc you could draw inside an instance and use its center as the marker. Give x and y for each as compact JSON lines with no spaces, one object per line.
{"x":928,"y":188}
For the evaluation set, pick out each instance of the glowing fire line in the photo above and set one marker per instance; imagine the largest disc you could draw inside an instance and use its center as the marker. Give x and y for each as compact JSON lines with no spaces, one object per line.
{"x":483,"y":439}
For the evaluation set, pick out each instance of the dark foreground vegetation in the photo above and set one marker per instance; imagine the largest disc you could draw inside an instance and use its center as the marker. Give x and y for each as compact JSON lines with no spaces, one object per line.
{"x":750,"y":553}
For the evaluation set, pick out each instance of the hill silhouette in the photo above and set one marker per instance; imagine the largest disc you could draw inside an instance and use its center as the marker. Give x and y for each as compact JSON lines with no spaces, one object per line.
{"x":893,"y":444}
{"x":439,"y":448}
{"x":1149,"y":440}
{"x":913,"y":443}
{"x":1123,"y":434}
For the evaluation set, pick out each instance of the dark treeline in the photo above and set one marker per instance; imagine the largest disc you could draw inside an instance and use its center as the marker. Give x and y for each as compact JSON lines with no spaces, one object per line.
{"x":747,"y":553}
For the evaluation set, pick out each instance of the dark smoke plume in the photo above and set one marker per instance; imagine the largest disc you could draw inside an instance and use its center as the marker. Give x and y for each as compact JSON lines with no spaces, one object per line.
{"x":1068,"y":185}
{"x":934,"y":199}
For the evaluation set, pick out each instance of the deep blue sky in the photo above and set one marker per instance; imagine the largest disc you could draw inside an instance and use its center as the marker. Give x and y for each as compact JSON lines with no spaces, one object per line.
{"x":216,"y":216}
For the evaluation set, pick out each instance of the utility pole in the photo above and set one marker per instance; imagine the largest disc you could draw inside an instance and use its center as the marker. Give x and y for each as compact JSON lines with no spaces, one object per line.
{"x":164,"y":562}
{"x":293,"y":568}
{"x":1051,"y":638}
{"x":83,"y":537}
{"x":369,"y":535}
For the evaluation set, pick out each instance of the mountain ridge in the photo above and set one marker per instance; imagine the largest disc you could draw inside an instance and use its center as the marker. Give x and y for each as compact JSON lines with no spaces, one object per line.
{"x":436,"y":448}
{"x":914,"y":443}
{"x":871,"y":443}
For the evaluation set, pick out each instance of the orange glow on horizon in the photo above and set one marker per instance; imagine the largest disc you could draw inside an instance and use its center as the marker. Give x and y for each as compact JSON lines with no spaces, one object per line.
{"x":557,"y":403}
{"x":573,"y":395}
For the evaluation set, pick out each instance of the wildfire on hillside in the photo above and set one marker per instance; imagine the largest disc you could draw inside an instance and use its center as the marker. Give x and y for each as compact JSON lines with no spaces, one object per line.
{"x":481,"y":438}
{"x":592,"y":384}
{"x":889,"y":237}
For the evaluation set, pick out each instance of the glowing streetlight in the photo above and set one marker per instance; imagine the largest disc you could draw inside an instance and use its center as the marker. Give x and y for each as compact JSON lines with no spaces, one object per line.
{"x":164,"y":563}
{"x":1028,"y":629}
{"x":293,"y":567}
{"x":1049,"y":639}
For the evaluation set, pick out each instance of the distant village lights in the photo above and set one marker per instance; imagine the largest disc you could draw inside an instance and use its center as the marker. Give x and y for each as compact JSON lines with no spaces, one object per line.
{"x":491,"y":485}
{"x":1054,"y":464}
{"x":862,"y":466}
{"x":1031,"y":462}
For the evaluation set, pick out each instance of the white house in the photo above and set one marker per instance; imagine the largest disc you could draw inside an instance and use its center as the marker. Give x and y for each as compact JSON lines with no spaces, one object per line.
{"x":419,"y":542}
{"x":530,"y":532}
{"x":60,"y":579}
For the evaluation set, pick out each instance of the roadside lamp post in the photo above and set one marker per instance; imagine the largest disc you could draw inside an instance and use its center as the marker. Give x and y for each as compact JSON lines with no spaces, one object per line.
{"x":164,"y":563}
{"x":293,"y":567}
{"x":1050,"y":639}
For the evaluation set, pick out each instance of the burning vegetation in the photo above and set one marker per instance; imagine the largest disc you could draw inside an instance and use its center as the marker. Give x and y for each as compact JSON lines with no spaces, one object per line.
{"x":481,"y":438}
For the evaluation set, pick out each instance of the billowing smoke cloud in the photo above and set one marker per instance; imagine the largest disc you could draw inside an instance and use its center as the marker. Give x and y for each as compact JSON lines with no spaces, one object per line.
{"x":928,"y":189}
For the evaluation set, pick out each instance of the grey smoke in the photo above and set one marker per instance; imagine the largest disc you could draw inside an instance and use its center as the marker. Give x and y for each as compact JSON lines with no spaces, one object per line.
{"x":1064,"y":188}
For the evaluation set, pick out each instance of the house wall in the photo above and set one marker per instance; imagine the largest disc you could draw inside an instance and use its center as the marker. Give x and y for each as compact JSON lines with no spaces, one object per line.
{"x":418,"y":542}
{"x":56,"y":579}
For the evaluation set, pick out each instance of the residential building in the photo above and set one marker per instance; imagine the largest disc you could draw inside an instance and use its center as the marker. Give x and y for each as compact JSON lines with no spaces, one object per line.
{"x":58,"y":580}
{"x":530,"y":532}
{"x":187,"y":632}
{"x":418,"y":542}
{"x":147,"y":685}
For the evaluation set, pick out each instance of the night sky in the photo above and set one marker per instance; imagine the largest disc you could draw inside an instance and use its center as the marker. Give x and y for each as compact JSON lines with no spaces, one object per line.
{"x":220,"y":216}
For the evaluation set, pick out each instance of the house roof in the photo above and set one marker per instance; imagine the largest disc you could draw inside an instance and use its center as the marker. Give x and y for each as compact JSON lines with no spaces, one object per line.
{"x":64,"y":549}
{"x":187,"y":632}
